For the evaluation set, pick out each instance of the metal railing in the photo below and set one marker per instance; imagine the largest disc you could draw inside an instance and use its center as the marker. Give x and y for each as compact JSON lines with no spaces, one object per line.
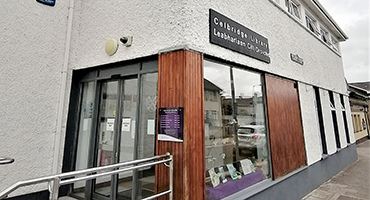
{"x":55,"y":181}
{"x":6,"y":160}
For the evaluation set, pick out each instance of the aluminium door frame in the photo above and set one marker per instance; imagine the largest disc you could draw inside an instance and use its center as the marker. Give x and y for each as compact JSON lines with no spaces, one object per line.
{"x":124,"y":73}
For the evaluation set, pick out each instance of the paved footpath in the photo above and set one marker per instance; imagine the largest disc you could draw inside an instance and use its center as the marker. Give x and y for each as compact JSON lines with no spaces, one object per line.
{"x":352,"y":183}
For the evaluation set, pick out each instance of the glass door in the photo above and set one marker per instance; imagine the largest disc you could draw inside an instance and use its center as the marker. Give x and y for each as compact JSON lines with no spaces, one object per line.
{"x":117,"y":124}
{"x":107,"y":133}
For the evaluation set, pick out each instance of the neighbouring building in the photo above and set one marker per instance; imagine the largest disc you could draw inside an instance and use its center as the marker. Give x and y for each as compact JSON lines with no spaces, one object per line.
{"x":359,"y":99}
{"x":248,"y":96}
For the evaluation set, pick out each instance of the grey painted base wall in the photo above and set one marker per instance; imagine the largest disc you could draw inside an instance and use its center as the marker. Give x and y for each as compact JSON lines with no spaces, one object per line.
{"x":296,"y":185}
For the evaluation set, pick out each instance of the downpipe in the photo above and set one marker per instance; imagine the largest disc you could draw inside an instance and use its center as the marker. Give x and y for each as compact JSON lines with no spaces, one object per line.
{"x":63,"y":87}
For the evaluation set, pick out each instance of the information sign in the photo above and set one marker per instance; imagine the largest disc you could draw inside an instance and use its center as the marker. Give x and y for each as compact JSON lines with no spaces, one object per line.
{"x":171,"y":124}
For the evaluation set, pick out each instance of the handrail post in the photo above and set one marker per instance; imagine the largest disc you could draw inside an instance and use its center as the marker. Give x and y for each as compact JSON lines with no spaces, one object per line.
{"x":55,"y":190}
{"x":171,"y":175}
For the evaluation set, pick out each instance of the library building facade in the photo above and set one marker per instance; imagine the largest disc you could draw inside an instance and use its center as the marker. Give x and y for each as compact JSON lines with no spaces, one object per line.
{"x":249,"y":98}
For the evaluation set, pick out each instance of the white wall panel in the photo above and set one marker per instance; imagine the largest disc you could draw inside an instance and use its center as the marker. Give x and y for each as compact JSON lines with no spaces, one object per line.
{"x":32,"y":47}
{"x":341,"y":130}
{"x":328,"y":122}
{"x":310,"y":123}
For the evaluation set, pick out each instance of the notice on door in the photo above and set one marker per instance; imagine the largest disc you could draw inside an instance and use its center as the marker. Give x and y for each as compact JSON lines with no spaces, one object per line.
{"x":171,"y":124}
{"x":126,"y":124}
{"x":110,"y":124}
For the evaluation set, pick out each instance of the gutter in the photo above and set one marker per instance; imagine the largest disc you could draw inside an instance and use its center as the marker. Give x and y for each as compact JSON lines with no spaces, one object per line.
{"x":63,"y":87}
{"x":322,"y":9}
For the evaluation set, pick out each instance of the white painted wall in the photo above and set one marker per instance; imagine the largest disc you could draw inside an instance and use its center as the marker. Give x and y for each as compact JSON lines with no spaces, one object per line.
{"x":32,"y":39}
{"x":328,"y":122}
{"x":342,"y":132}
{"x":171,"y":24}
{"x":310,"y":123}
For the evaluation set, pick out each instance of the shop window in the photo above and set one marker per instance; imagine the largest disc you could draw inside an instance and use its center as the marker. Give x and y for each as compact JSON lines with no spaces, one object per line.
{"x":359,"y":123}
{"x":293,"y":8}
{"x":311,"y":25}
{"x":334,"y":118}
{"x":321,"y":121}
{"x":236,"y":143}
{"x":355,"y":124}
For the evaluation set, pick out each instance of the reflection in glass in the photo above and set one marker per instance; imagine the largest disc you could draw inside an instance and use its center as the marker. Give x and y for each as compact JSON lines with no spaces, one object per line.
{"x":128,"y":112}
{"x":148,"y":110}
{"x":235,"y":133}
{"x":84,"y":131}
{"x":107,"y":123}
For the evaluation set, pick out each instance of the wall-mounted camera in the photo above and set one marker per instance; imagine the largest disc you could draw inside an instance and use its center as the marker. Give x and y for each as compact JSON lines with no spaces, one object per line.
{"x":126,"y":41}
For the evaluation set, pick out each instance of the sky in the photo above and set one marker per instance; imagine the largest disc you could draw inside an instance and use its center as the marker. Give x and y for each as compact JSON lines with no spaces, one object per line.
{"x":352,"y":16}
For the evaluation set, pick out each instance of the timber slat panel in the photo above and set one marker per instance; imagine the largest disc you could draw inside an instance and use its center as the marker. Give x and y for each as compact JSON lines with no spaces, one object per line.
{"x":180,"y":84}
{"x":194,"y":161}
{"x":285,"y":126}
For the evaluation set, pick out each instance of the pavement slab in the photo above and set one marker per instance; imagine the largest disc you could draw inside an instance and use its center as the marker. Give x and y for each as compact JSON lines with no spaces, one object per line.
{"x":352,"y":183}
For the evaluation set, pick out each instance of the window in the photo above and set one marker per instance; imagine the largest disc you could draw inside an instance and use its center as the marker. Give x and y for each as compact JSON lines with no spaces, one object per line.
{"x":209,"y":95}
{"x":334,"y":43}
{"x":311,"y":24}
{"x":324,"y":36}
{"x":334,"y":117}
{"x":293,"y":8}
{"x":236,"y":145}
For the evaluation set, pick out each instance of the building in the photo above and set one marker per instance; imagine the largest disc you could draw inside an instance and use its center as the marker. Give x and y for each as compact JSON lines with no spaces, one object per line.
{"x":359,"y":98}
{"x":258,"y":85}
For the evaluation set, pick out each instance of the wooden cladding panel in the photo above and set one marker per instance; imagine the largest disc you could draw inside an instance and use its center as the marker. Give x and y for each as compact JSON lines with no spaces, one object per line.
{"x":285,"y":126}
{"x":194,"y":150}
{"x":180,"y":84}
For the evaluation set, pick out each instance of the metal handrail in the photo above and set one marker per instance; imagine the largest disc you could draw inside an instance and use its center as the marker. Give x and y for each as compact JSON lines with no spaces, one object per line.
{"x":58,"y":180}
{"x":6,"y":160}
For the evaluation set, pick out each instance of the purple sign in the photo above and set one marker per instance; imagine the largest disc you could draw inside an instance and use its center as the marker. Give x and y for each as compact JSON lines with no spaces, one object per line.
{"x":171,"y":124}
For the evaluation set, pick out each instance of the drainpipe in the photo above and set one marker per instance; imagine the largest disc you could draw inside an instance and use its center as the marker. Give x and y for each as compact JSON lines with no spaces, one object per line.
{"x":63,"y":88}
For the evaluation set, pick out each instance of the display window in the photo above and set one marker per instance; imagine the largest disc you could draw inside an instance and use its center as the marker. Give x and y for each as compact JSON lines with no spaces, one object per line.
{"x":236,"y":141}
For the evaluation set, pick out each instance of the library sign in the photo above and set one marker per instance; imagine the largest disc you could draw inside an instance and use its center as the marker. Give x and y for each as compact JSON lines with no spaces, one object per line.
{"x":234,"y":36}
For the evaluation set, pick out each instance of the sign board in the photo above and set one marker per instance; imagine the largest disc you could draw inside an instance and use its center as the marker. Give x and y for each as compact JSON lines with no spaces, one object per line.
{"x":234,"y":36}
{"x":47,"y":2}
{"x":171,"y":124}
{"x":296,"y":58}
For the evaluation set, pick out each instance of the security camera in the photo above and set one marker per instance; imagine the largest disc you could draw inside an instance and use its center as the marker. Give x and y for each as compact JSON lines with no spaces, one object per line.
{"x":126,"y":41}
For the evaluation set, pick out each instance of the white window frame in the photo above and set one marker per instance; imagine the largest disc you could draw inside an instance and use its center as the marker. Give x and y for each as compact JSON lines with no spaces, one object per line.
{"x":294,"y":8}
{"x":334,"y":43}
{"x":324,"y":35}
{"x":311,"y":24}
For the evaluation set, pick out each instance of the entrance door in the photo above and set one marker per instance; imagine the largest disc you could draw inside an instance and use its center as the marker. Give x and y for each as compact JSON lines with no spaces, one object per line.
{"x":117,"y":124}
{"x":116,"y":135}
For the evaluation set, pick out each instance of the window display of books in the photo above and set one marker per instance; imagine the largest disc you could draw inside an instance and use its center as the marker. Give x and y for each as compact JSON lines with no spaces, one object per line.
{"x":233,"y":171}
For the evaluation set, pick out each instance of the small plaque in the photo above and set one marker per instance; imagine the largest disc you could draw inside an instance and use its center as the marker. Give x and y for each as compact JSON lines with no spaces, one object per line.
{"x":171,"y":124}
{"x":296,"y":58}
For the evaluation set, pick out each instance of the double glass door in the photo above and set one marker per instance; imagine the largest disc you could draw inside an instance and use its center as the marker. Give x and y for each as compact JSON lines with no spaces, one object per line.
{"x":117,"y":124}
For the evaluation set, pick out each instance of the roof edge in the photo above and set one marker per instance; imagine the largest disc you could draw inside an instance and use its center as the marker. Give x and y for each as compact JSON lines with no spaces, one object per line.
{"x":327,"y":15}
